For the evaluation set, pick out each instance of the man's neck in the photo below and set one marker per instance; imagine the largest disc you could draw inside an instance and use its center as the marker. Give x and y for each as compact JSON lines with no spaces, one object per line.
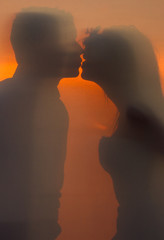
{"x":36,"y":78}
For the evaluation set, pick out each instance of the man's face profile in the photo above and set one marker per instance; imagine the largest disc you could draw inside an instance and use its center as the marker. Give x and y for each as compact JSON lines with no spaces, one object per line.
{"x":45,"y":41}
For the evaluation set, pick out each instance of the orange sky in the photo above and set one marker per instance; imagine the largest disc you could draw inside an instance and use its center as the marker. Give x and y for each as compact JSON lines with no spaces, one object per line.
{"x":88,"y":204}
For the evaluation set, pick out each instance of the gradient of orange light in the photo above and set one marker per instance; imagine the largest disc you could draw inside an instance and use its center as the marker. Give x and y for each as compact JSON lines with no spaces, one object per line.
{"x":88,"y":205}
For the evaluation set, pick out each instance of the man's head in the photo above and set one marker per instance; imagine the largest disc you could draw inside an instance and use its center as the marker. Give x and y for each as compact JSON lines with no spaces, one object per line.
{"x":44,"y":42}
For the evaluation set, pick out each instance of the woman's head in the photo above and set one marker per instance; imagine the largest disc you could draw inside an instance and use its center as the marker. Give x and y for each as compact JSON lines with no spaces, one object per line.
{"x":107,"y":58}
{"x":122,"y":61}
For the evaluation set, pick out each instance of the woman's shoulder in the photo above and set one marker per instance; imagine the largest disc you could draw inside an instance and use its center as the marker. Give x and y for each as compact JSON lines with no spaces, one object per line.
{"x":138,"y":116}
{"x":105,"y":140}
{"x":107,"y":143}
{"x":108,"y":148}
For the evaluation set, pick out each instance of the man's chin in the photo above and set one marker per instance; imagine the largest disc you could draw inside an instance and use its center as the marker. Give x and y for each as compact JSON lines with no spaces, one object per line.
{"x":72,"y":74}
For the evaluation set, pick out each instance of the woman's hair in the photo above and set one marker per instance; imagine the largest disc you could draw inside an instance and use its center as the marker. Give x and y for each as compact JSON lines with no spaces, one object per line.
{"x":111,"y":49}
{"x":130,"y":59}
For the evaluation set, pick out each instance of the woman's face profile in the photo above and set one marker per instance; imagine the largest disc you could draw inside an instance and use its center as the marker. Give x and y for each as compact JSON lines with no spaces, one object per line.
{"x":107,"y":59}
{"x":96,"y":60}
{"x":91,"y":65}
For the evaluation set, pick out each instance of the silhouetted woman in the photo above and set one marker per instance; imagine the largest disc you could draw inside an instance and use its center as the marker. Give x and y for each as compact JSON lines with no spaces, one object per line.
{"x":122,"y":61}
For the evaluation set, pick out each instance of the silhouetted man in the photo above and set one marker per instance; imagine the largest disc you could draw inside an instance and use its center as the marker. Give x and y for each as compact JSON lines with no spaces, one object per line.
{"x":34,"y":124}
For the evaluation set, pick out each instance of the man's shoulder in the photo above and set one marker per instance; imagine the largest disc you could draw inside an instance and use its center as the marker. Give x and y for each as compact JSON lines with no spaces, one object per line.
{"x":6,"y":85}
{"x":62,"y":108}
{"x":7,"y":91}
{"x":5,"y":82}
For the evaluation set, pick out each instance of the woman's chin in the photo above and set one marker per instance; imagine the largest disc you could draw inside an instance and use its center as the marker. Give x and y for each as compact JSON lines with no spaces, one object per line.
{"x":85,"y":75}
{"x":87,"y":71}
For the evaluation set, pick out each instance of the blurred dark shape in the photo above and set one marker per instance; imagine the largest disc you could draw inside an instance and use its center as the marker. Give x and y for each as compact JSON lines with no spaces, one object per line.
{"x":122,"y":61}
{"x":34,"y":124}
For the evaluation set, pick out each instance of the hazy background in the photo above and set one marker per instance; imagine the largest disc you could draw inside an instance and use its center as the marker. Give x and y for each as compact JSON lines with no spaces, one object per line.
{"x":88,"y":205}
